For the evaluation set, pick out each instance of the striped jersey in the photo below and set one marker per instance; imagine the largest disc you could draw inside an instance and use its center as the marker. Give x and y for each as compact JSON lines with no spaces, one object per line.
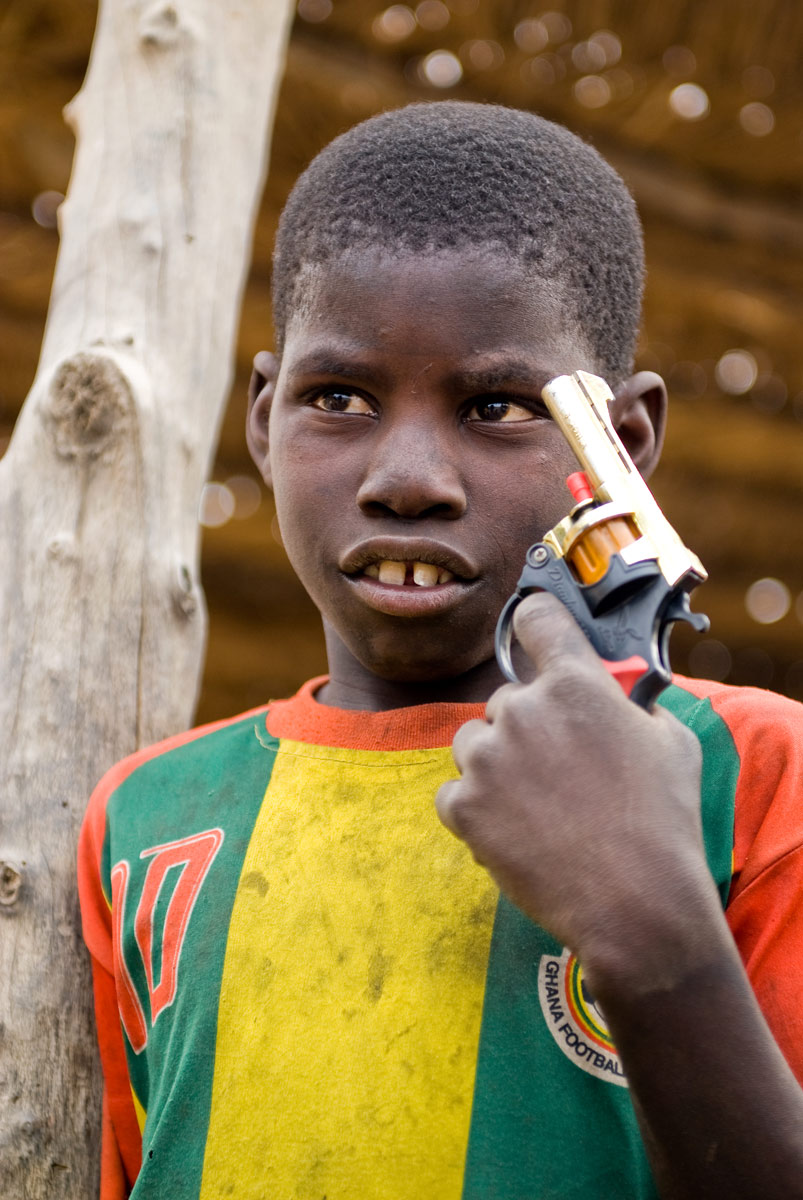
{"x":306,"y":987}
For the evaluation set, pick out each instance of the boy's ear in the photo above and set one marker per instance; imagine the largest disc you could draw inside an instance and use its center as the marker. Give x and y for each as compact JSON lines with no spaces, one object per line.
{"x":260,"y":398}
{"x":639,"y":415}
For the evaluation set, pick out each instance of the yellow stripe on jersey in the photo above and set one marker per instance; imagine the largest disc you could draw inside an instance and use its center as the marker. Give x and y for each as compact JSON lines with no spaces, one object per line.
{"x":348,"y":1030}
{"x":139,"y":1110}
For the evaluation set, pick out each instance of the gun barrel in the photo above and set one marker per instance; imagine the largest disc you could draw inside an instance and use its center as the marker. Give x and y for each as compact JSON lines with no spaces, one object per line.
{"x":579,"y":405}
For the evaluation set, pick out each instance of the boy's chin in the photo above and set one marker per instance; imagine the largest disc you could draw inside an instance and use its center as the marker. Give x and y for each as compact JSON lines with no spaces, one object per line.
{"x":420,"y":659}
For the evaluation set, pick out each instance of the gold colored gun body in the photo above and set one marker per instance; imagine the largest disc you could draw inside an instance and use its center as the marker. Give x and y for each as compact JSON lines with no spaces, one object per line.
{"x":624,"y":517}
{"x":615,"y":561}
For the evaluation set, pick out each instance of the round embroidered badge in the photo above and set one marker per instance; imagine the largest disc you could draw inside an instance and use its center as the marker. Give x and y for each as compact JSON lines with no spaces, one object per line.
{"x":575,"y":1020}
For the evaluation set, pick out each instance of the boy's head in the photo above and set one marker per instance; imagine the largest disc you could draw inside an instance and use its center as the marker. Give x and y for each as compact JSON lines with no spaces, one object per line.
{"x":435,"y":267}
{"x":453,"y":175}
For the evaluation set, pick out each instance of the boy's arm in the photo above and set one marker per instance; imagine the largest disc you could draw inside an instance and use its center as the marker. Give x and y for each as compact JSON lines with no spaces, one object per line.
{"x":586,"y":810}
{"x":719,"y":1109}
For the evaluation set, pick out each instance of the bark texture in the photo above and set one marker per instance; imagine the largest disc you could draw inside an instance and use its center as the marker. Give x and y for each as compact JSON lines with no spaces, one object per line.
{"x":102,"y":620}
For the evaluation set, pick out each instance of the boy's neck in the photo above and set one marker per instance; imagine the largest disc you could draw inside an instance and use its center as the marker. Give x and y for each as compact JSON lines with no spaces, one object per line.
{"x":352,"y":686}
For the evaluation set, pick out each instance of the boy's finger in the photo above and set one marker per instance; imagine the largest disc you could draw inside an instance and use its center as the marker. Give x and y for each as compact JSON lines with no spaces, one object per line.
{"x":444,"y":804}
{"x":499,"y":699}
{"x":464,"y":739}
{"x":549,"y":633}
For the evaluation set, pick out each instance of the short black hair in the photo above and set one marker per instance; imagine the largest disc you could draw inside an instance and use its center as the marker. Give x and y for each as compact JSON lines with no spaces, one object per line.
{"x":449,"y":175}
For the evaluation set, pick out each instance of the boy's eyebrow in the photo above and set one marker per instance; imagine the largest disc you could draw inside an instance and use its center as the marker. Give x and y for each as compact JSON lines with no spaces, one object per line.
{"x":326,"y":362}
{"x":501,"y":375}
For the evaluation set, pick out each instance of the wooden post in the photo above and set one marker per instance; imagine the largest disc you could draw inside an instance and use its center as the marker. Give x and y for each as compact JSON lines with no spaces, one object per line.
{"x":101,"y":613}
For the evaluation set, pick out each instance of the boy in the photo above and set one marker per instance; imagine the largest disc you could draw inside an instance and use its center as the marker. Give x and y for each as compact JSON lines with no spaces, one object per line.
{"x":320,"y":992}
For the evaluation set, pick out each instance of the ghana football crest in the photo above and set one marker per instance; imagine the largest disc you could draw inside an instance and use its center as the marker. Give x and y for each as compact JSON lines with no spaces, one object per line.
{"x":575,"y":1020}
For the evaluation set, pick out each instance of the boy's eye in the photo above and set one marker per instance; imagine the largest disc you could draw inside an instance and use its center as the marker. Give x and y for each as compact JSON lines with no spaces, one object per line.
{"x":341,"y":400}
{"x":499,"y":410}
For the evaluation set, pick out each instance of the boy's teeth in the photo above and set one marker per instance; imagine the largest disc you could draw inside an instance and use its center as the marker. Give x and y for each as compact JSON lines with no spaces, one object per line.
{"x":425,"y":574}
{"x":392,"y":572}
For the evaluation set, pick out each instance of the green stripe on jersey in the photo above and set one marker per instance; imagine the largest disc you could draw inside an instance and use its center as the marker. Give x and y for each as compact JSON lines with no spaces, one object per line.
{"x":215,"y":782}
{"x":720,"y":775}
{"x":552,"y":1117}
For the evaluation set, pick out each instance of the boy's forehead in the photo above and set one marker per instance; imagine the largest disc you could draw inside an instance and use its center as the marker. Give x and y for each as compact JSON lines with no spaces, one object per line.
{"x":470,"y":301}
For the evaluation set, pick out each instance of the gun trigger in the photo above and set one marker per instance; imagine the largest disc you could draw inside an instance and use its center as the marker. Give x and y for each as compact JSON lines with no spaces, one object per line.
{"x":627,"y":672}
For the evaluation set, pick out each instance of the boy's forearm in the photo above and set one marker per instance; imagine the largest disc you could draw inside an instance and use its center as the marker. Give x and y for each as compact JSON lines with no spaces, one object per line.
{"x":720,"y":1110}
{"x":593,"y":828}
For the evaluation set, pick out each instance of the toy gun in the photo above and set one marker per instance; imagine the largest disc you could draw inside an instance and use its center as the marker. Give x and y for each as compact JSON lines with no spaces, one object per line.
{"x":614,"y":561}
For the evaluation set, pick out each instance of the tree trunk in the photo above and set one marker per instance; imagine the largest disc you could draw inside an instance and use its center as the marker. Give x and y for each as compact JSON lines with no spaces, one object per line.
{"x":102,"y":620}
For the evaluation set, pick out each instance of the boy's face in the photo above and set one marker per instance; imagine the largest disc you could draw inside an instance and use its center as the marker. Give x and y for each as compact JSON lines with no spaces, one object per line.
{"x":411,"y":457}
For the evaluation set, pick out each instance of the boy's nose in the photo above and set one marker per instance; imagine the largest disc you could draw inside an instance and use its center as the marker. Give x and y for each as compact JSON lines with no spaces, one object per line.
{"x":412,"y":478}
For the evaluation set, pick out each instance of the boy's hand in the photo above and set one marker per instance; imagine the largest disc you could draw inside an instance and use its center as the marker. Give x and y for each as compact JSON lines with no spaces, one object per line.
{"x":586,"y":809}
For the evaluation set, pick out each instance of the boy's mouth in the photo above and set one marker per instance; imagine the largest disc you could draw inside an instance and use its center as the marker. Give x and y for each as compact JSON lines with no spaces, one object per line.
{"x":407,"y":562}
{"x":401,"y":577}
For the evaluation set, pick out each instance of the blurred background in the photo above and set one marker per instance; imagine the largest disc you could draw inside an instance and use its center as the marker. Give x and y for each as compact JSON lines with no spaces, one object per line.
{"x":697,"y":103}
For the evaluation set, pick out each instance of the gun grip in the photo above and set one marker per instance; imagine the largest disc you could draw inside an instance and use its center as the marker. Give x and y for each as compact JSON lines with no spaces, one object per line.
{"x":627,"y":672}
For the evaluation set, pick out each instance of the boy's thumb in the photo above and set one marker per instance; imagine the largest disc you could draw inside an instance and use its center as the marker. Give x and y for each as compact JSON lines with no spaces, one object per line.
{"x":549,"y":633}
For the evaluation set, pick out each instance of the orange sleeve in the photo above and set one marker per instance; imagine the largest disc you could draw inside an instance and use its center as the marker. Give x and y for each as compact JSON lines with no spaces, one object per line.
{"x":113,"y":1183}
{"x":765,"y":906}
{"x":121,"y":1146}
